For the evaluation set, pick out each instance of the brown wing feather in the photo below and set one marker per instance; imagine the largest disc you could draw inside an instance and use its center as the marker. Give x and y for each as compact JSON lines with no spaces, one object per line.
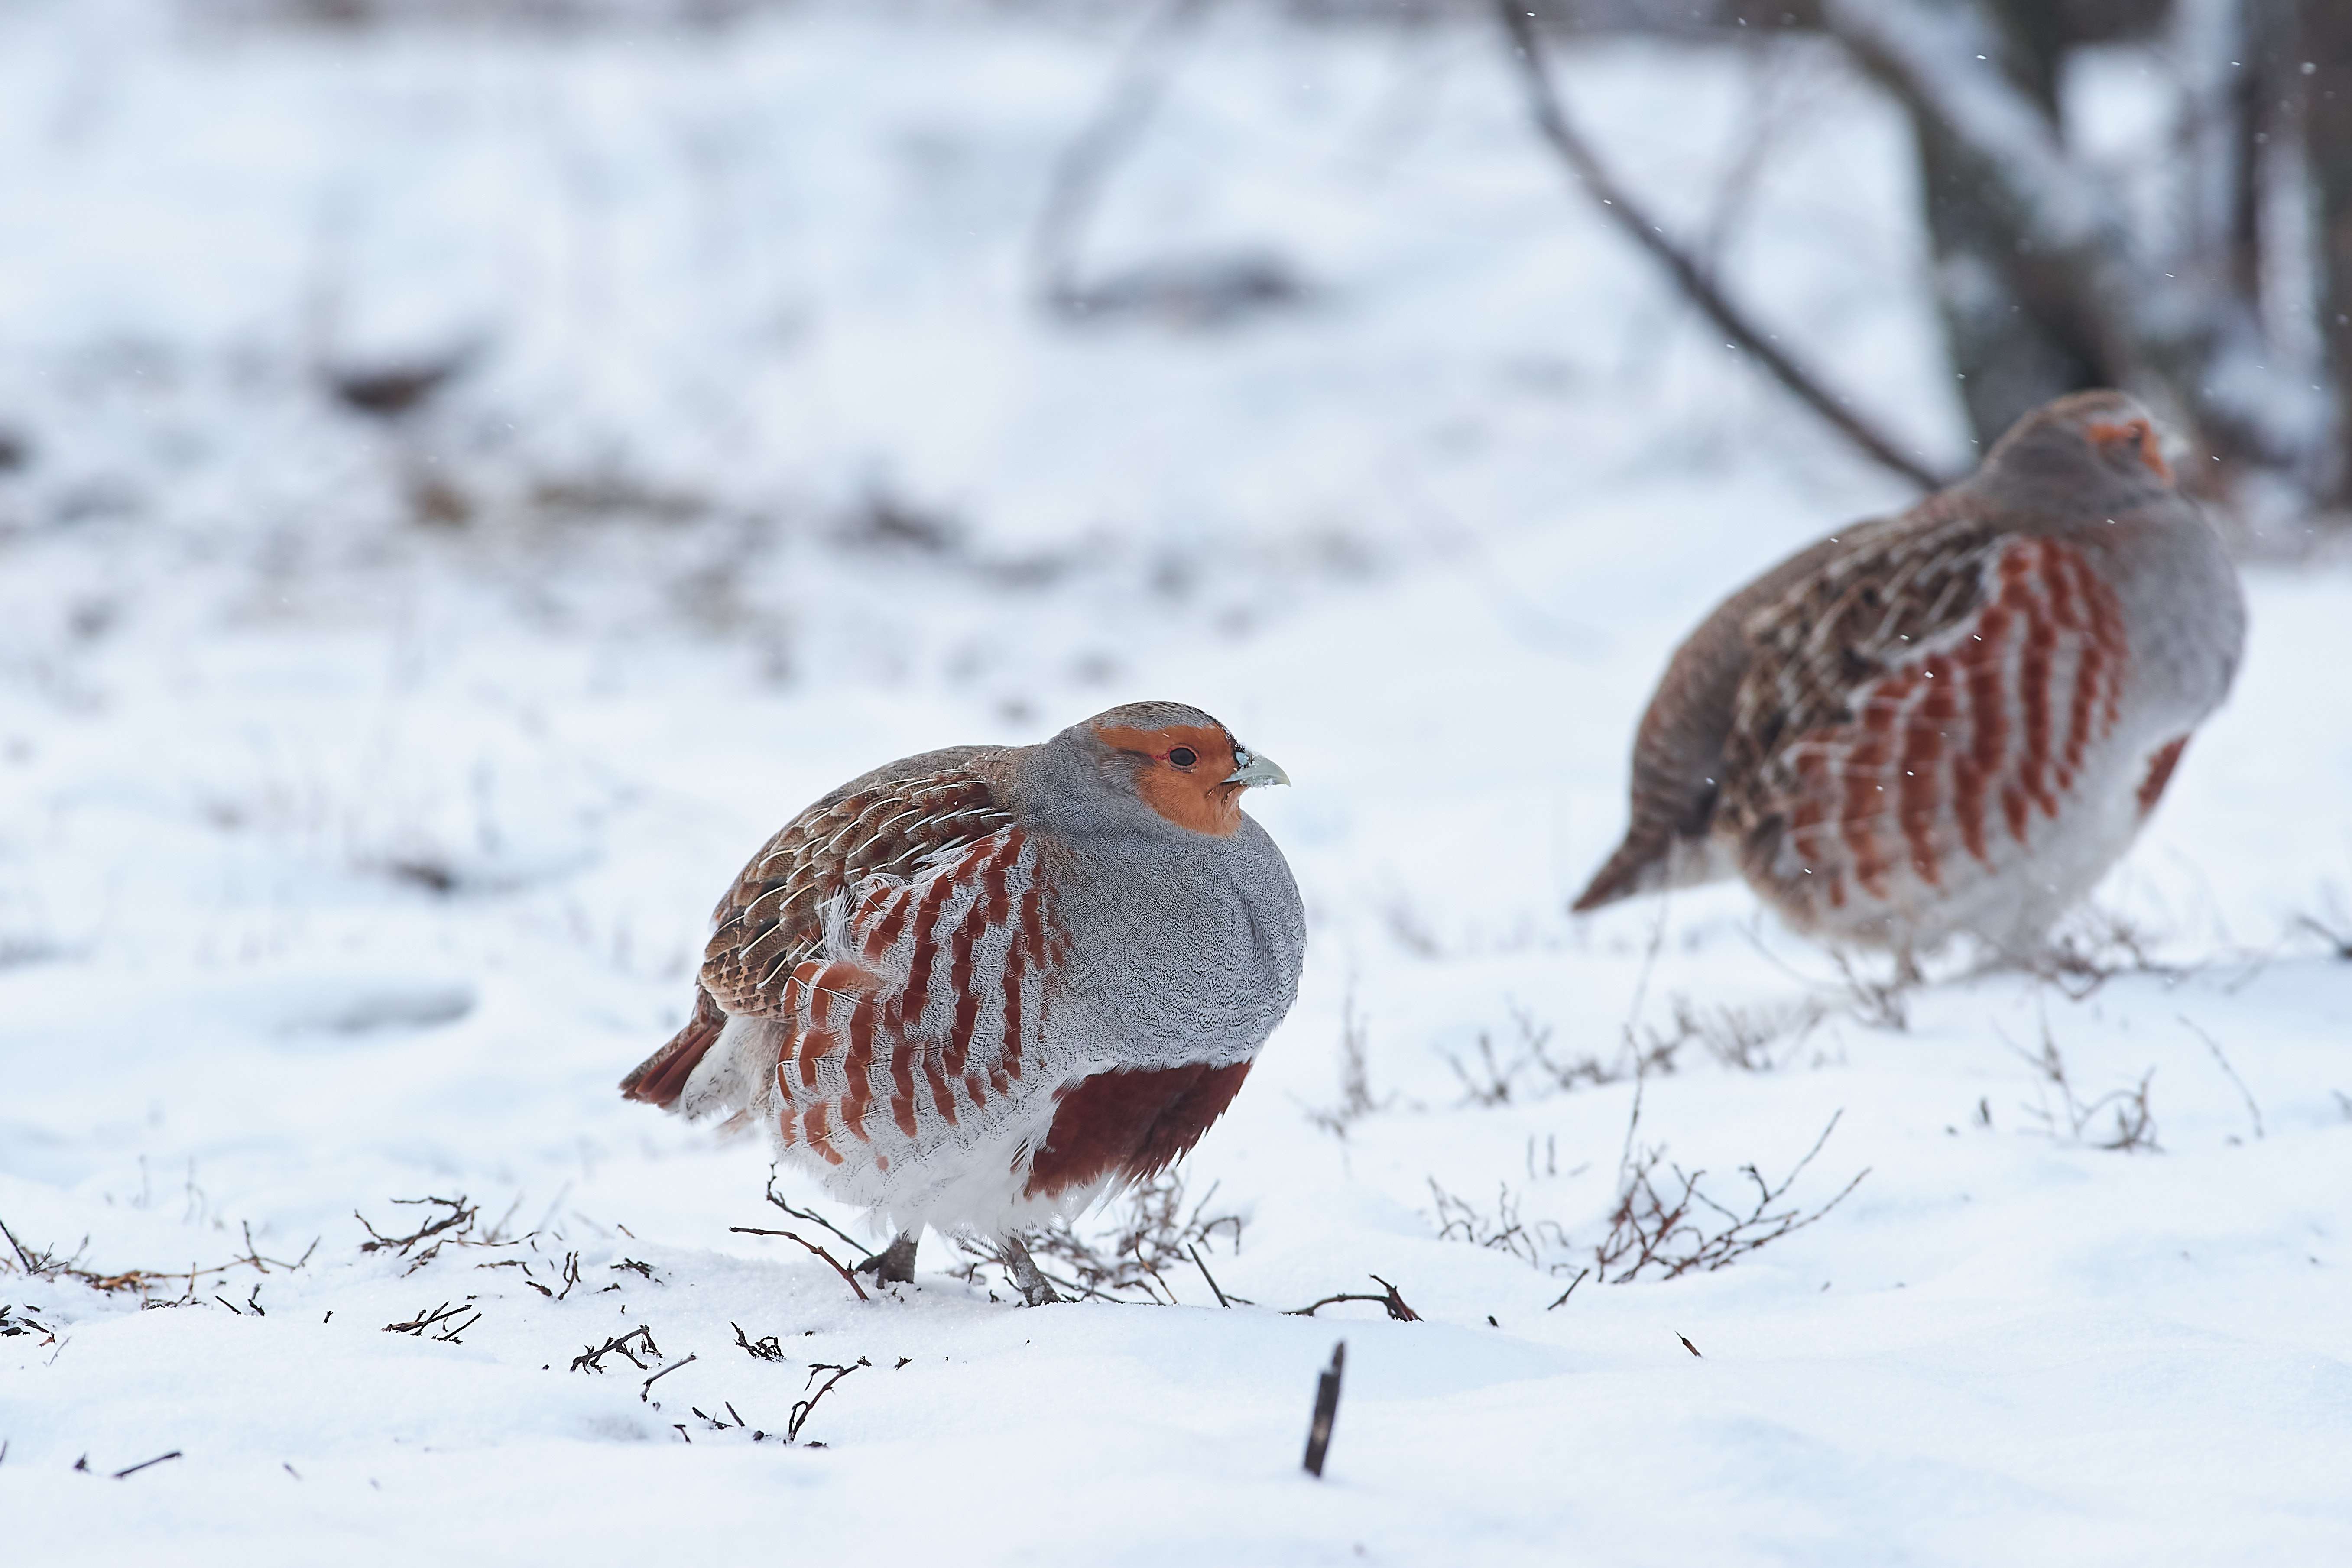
{"x":891,"y":820}
{"x":1828,"y":650}
{"x":1678,"y":750}
{"x":1816,"y":649}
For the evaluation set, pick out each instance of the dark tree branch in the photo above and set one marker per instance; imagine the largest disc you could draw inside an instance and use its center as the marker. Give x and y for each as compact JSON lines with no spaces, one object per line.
{"x":1635,"y":221}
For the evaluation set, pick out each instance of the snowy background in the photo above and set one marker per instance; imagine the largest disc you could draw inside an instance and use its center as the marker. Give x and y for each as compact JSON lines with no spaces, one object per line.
{"x":366,"y":779}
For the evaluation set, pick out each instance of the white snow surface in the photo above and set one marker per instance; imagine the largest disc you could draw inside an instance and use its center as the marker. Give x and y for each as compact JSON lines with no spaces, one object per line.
{"x":348,"y":856}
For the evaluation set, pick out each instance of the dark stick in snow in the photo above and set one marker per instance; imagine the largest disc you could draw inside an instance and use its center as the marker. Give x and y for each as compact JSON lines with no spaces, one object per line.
{"x":657,"y":1376}
{"x":1327,"y":1410}
{"x":1213,"y":1286}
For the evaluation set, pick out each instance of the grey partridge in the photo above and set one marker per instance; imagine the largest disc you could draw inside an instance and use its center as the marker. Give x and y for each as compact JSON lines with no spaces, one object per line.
{"x":980,"y":987}
{"x":1950,"y":721}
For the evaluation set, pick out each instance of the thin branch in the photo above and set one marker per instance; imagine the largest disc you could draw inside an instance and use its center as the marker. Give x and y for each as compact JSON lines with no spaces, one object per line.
{"x":812,"y":1217}
{"x":1213,"y":1287}
{"x":766,"y":1348}
{"x":846,"y":1277}
{"x":591,"y":1358}
{"x":647,"y":1387}
{"x":1690,"y":277}
{"x":1562,"y":1300}
{"x":2215,"y":1047}
{"x":803,"y":1410}
{"x":1393,"y":1302}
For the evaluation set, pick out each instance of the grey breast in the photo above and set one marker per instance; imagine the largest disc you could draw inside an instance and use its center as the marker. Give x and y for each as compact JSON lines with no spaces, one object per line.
{"x":2183,"y":604}
{"x":1184,"y":947}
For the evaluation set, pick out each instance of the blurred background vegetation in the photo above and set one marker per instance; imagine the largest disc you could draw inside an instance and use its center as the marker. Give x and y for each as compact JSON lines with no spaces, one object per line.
{"x":2207,"y":266}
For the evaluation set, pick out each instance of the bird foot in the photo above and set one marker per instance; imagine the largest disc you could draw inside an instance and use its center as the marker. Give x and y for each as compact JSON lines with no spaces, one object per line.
{"x":895,"y":1264}
{"x":1034,"y":1288}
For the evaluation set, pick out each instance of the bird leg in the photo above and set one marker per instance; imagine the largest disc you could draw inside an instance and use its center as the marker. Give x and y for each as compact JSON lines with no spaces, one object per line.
{"x":1035,"y":1289}
{"x":895,"y":1264}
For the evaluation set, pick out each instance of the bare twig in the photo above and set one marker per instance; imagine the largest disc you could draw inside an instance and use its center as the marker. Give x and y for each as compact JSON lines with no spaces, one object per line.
{"x":143,"y":1464}
{"x":1667,"y":1227}
{"x":767,"y":1348}
{"x":1389,"y":1300}
{"x":622,"y":1345}
{"x":1327,"y":1410}
{"x":1459,"y":1220}
{"x":446,"y":1316}
{"x":1530,"y":1069}
{"x":1640,"y":226}
{"x":23,"y":1261}
{"x":646,"y":1388}
{"x":847,"y":1278}
{"x":812,"y":1217}
{"x":1572,"y":1284}
{"x":1660,"y":1228}
{"x":1356,"y":1099}
{"x":2135,"y":1120}
{"x":14,"y":1321}
{"x":1214,"y":1288}
{"x":806,"y":1407}
{"x":2214,"y":1046}
{"x":458,"y":1212}
{"x":42,"y":1263}
{"x":1151,"y":1231}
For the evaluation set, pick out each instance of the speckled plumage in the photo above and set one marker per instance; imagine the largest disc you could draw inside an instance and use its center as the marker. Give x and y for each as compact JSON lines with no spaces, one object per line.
{"x":1953,"y":720}
{"x":977,"y":987}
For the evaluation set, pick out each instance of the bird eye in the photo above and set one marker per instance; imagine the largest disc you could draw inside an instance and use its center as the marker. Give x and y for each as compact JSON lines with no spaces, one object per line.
{"x":1183,"y":756}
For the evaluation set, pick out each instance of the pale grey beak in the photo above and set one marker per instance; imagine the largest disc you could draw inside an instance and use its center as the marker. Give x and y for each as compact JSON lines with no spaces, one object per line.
{"x":1255,"y":769}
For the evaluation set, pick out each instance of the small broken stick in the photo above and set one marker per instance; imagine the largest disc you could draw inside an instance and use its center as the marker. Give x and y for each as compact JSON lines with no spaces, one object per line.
{"x":1327,"y":1410}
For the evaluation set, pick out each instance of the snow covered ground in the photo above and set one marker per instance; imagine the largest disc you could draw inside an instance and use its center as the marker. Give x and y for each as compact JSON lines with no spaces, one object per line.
{"x":364,"y":784}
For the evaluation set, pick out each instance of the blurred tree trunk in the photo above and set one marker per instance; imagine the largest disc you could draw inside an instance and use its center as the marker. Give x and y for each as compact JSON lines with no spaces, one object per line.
{"x":2044,"y":238}
{"x":2324,"y":51}
{"x":2053,"y":272}
{"x":2014,"y":340}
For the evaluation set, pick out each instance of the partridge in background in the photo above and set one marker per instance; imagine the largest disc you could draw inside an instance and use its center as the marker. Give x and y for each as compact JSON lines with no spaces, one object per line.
{"x":980,"y":988}
{"x":1950,"y":721}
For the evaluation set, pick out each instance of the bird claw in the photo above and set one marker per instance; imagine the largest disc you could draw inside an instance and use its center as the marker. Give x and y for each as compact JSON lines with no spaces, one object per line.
{"x":1036,"y":1289}
{"x":895,"y":1264}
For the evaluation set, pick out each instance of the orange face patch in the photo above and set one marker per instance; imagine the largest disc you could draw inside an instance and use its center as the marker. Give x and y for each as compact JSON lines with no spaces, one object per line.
{"x":1184,"y":774}
{"x":2138,"y":435}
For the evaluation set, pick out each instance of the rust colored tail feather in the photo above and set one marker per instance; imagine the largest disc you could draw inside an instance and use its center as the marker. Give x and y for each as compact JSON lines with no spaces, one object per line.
{"x":661,"y":1078}
{"x":1637,"y":866}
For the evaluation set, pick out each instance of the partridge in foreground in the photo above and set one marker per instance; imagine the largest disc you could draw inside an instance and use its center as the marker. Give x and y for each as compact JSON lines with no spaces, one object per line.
{"x":1950,"y":721}
{"x":980,"y":988}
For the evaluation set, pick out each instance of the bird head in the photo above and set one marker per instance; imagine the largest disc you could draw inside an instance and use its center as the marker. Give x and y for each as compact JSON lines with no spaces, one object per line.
{"x":2105,"y":438}
{"x":1182,"y":765}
